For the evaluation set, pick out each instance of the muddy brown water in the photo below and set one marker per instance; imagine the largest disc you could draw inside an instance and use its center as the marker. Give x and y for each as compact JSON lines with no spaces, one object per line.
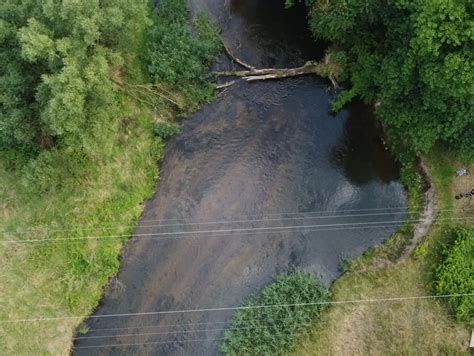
{"x":269,"y":166}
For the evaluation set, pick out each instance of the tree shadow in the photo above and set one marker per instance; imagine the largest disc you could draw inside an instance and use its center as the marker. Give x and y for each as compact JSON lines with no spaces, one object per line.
{"x":361,"y":151}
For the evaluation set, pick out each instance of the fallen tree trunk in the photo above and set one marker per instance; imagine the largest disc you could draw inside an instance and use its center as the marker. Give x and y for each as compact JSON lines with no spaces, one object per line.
{"x":326,"y":68}
{"x":276,"y":73}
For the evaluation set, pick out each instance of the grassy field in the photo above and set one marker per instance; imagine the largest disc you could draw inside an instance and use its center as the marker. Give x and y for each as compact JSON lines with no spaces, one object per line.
{"x":394,"y":328}
{"x":66,"y":278}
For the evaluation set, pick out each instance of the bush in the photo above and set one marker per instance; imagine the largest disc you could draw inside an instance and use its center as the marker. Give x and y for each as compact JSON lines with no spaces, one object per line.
{"x":455,"y":275}
{"x":166,"y":129}
{"x":259,"y":331}
{"x":176,"y":57}
{"x":53,"y":170}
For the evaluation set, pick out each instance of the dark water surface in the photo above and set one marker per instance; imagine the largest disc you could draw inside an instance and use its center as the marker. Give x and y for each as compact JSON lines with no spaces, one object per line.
{"x":267,"y":156}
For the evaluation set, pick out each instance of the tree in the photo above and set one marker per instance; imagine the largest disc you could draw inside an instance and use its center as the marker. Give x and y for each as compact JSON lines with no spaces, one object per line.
{"x":413,"y":59}
{"x":54,"y":68}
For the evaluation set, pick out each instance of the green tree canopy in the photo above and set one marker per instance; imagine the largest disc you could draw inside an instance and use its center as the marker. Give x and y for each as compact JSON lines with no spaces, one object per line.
{"x":55,"y":57}
{"x":413,"y":59}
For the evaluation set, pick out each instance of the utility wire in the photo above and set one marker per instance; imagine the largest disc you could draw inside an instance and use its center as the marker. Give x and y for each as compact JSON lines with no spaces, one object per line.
{"x":139,"y":226}
{"x":206,"y":310}
{"x":196,"y":232}
{"x":163,"y":333}
{"x":94,"y":330}
{"x":261,"y":321}
{"x":217,"y":222}
{"x":403,"y":208}
{"x":238,"y":234}
{"x":148,"y":343}
{"x":272,"y":323}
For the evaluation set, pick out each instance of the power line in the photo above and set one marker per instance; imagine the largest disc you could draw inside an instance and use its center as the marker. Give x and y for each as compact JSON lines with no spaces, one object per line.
{"x":162,"y":333}
{"x":151,"y":236}
{"x":149,"y":343}
{"x":261,"y":323}
{"x":402,"y":208}
{"x":93,"y":330}
{"x":138,"y":226}
{"x":217,"y":222}
{"x":178,"y":233}
{"x":260,"y":320}
{"x":298,"y":213}
{"x":206,"y":310}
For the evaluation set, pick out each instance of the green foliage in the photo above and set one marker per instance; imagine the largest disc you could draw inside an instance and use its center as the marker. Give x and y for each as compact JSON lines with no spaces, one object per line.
{"x":265,"y":331}
{"x":414,"y":59}
{"x":53,"y":170}
{"x":166,"y":129}
{"x":54,"y":68}
{"x":291,"y":3}
{"x":77,"y":157}
{"x":455,"y":275}
{"x":176,"y":56}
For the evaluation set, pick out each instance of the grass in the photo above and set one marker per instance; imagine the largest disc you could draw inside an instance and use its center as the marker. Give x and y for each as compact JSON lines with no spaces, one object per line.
{"x":394,"y":328}
{"x":65,"y":198}
{"x":67,"y":278}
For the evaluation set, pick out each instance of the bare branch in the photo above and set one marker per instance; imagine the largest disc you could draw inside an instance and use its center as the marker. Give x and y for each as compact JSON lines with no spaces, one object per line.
{"x":237,"y":60}
{"x":225,"y":85}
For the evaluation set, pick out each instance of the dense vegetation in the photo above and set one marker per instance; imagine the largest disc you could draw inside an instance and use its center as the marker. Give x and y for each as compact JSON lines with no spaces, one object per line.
{"x":82,"y":118}
{"x":455,"y":274}
{"x":412,"y":59}
{"x":54,"y":69}
{"x":184,"y":63}
{"x":265,"y":331}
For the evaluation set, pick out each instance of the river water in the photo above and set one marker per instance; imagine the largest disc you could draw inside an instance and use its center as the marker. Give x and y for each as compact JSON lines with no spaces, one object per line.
{"x":285,"y":182}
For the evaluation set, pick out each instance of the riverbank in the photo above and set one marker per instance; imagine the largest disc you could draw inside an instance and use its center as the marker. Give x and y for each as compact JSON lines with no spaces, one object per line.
{"x":102,"y":197}
{"x":412,"y":327}
{"x":67,"y":277}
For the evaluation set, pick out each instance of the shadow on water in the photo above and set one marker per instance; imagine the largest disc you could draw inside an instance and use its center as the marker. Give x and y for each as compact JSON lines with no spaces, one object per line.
{"x":227,"y":214}
{"x":361,"y":151}
{"x":275,"y":35}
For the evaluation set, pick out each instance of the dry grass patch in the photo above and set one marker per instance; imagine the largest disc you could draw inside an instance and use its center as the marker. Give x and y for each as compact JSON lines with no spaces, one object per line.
{"x":393,"y":328}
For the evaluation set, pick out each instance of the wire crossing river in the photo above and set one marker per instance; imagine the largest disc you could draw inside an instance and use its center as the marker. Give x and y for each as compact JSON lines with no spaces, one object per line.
{"x":271,"y":177}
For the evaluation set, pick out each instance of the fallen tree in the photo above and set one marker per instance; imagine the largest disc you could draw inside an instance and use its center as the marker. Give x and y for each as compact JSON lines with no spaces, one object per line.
{"x":324,"y":69}
{"x":274,"y":73}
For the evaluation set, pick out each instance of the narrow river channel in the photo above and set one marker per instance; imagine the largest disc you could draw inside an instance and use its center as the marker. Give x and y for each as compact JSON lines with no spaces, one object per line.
{"x":270,"y":166}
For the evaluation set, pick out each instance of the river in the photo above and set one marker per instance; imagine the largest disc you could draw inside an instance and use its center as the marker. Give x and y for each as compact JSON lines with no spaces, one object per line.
{"x":285,"y":182}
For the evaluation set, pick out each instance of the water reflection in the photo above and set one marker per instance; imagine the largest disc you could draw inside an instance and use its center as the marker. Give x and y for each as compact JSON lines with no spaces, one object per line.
{"x":360,"y":151}
{"x":269,"y":35}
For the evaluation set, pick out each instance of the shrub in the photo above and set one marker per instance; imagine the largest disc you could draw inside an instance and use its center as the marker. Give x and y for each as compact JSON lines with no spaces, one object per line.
{"x":455,"y":275}
{"x":166,"y":129}
{"x":272,"y":330}
{"x":177,"y":57}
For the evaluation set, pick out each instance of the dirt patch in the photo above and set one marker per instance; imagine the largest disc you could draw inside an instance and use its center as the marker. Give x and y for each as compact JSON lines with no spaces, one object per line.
{"x":421,"y":229}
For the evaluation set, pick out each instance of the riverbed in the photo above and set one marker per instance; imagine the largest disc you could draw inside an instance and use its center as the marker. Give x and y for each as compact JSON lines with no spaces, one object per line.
{"x":263,"y":178}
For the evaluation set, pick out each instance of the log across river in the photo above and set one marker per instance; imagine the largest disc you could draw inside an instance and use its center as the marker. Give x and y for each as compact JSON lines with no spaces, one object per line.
{"x":259,"y":180}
